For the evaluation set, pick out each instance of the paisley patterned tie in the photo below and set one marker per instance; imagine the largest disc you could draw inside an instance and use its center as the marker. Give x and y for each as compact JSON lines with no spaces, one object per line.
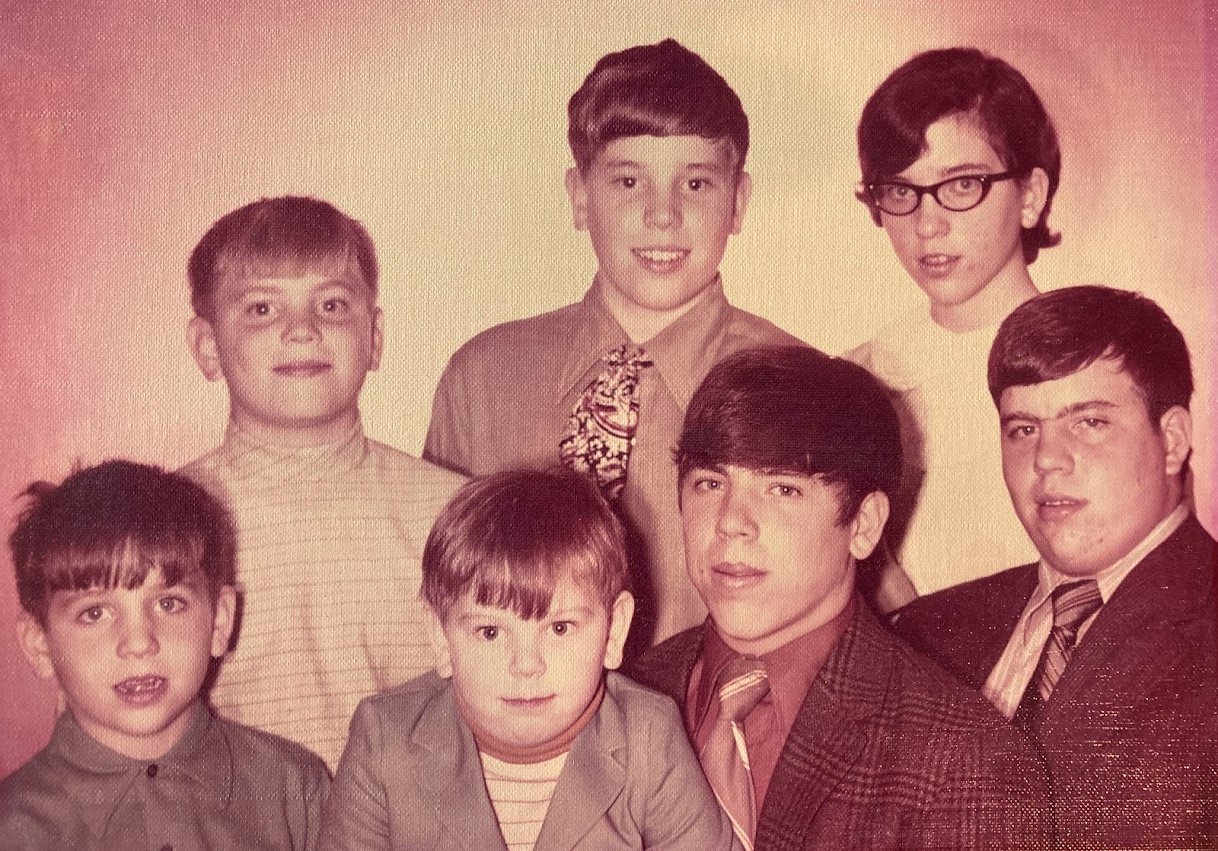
{"x":601,"y":429}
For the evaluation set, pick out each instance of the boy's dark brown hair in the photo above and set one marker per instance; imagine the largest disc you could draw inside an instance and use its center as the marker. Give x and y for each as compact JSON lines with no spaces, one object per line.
{"x":509,"y":538}
{"x":660,"y":89}
{"x":794,"y":409}
{"x":1060,"y":332}
{"x":938,"y":84}
{"x":278,"y":237}
{"x":108,"y":526}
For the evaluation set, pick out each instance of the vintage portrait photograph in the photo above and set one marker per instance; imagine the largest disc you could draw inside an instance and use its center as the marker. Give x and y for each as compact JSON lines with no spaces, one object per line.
{"x":583,"y":425}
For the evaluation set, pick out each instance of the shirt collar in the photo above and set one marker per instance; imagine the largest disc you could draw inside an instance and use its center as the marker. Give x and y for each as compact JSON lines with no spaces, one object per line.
{"x":791,"y":668}
{"x":200,"y":763}
{"x":249,"y":456}
{"x":1111,"y":577}
{"x":683,"y":352}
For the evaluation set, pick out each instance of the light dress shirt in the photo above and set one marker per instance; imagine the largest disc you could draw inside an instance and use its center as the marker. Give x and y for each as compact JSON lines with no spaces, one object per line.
{"x":1009,"y":680}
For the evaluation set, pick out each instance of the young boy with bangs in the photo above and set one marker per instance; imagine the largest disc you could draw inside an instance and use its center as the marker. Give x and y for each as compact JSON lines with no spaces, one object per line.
{"x":659,"y":140}
{"x":125,"y":576}
{"x":519,"y":739}
{"x":960,"y":163}
{"x":330,"y":524}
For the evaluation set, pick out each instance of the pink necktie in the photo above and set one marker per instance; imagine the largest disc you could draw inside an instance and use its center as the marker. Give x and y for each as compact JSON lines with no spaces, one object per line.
{"x":741,"y":684}
{"x":600,"y":431}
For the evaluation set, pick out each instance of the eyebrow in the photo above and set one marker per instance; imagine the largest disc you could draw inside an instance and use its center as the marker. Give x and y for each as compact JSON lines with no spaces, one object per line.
{"x":691,"y":166}
{"x":1074,"y":408}
{"x":569,"y":611}
{"x":956,"y":170}
{"x":717,"y":469}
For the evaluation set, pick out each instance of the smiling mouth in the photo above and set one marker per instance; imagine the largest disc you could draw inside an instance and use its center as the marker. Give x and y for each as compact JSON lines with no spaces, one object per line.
{"x":142,"y":690}
{"x":302,"y":369}
{"x":661,"y":259}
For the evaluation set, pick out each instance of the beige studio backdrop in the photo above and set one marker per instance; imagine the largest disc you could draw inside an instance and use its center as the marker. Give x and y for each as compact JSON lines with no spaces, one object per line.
{"x":130,"y":125}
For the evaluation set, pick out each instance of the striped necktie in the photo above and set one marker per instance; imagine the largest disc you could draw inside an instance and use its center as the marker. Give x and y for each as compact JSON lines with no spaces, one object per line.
{"x":1072,"y":605}
{"x":725,"y":759}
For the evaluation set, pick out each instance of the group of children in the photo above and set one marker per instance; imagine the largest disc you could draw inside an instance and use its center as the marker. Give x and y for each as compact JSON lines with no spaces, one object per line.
{"x":500,"y":602}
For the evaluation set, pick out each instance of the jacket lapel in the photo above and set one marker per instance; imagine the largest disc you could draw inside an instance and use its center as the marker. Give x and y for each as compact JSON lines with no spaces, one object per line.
{"x":997,"y":616}
{"x":591,"y":780}
{"x":828,"y":735}
{"x":468,"y":821}
{"x":1140,"y":633}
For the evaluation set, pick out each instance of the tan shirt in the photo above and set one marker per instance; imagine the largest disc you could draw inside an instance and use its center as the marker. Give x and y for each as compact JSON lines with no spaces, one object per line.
{"x":506,"y":396}
{"x":330,"y":542}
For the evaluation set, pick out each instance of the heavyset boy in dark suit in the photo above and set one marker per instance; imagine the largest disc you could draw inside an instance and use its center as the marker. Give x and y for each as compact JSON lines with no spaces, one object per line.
{"x":1093,"y":385}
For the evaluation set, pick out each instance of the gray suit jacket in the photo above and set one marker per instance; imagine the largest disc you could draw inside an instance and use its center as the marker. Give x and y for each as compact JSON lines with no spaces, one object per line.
{"x":1131,"y":731}
{"x":887,"y":751}
{"x":411,"y":778}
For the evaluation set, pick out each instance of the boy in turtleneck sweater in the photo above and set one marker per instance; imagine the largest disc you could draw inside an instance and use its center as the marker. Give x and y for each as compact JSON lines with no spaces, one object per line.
{"x":520,"y":740}
{"x":330,"y":524}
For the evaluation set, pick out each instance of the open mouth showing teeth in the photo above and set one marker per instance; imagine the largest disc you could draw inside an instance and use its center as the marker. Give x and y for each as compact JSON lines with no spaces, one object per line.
{"x":659,"y":256}
{"x":937,"y":260}
{"x":140,"y":686}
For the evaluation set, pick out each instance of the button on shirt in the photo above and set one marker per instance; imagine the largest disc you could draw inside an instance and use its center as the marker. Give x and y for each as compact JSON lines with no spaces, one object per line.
{"x":1009,"y":680}
{"x":506,"y":396}
{"x":222,"y":786}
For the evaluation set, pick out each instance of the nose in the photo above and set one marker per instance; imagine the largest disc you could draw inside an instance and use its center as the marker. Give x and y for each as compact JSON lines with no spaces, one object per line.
{"x":930,"y":220}
{"x":300,"y":326}
{"x":736,"y":518}
{"x":138,"y":639}
{"x":1052,"y":452}
{"x":663,"y":210}
{"x":527,"y":660}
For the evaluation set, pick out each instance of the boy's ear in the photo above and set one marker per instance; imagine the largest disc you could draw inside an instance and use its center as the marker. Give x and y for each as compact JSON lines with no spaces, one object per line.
{"x":868,"y":524}
{"x":620,"y":616}
{"x":441,"y":654}
{"x":1176,"y":427}
{"x":203,"y":346}
{"x":33,"y":640}
{"x":744,"y":191}
{"x":577,"y":192}
{"x":378,"y":339}
{"x":1035,"y":196}
{"x":224,"y":618}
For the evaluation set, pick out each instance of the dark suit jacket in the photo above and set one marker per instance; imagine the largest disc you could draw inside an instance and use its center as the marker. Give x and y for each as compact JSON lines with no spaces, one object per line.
{"x":887,"y":751}
{"x":1131,"y":731}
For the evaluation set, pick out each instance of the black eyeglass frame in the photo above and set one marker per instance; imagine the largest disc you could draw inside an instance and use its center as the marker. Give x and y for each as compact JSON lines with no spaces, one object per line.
{"x":987,"y":182}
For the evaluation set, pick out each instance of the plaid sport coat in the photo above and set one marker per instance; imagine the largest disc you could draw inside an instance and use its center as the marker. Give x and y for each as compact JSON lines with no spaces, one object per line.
{"x":1131,"y":731}
{"x":887,"y":751}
